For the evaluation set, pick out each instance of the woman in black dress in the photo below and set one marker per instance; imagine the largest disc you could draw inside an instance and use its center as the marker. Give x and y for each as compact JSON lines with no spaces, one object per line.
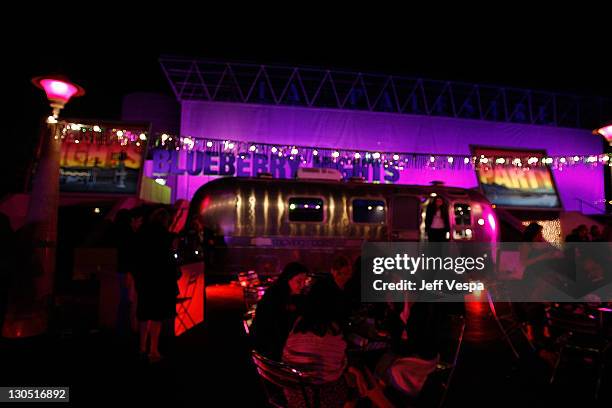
{"x":436,"y":221}
{"x":155,"y":279}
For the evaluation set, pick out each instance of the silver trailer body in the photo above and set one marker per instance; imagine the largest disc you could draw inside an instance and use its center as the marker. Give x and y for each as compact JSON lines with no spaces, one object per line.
{"x":261,"y":224}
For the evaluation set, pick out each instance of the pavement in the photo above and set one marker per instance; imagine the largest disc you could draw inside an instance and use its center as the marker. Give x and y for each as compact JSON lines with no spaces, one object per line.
{"x":209,"y":366}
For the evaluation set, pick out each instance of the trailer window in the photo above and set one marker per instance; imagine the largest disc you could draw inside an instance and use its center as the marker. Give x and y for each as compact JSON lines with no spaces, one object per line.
{"x":369,"y":211}
{"x":463,"y":214}
{"x":306,"y":209}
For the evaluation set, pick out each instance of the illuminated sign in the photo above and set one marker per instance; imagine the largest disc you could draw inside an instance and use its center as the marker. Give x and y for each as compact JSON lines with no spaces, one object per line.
{"x":110,"y":167}
{"x":509,"y":185}
{"x":195,"y":163}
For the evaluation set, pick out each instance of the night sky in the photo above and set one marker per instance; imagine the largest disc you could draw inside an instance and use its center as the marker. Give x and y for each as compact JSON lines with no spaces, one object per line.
{"x":112,"y":58}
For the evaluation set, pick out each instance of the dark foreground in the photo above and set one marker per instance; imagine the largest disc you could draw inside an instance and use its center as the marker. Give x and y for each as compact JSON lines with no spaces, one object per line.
{"x":209,"y":366}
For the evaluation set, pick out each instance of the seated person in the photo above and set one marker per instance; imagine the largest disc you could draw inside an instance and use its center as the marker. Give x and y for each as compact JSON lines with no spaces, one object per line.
{"x":344,"y":286}
{"x":277,"y":310}
{"x":416,"y":338}
{"x":416,"y":331}
{"x":352,"y":288}
{"x":341,"y":271}
{"x":316,"y":347}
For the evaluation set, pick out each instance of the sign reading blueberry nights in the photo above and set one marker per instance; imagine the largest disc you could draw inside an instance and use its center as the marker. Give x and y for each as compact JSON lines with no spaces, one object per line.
{"x":196,"y":163}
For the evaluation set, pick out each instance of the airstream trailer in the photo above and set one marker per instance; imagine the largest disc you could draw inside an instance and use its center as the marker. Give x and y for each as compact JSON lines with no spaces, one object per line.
{"x":263,"y":223}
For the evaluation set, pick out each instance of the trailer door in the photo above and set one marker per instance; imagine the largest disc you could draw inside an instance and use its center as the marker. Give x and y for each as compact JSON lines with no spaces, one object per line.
{"x":405,"y":218}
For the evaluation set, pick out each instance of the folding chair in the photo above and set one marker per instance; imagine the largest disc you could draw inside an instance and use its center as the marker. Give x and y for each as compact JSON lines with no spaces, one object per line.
{"x":583,"y":333}
{"x":252,"y":295}
{"x":247,"y":321}
{"x":508,"y":267}
{"x":435,"y":390}
{"x":276,"y":377}
{"x":183,"y":303}
{"x":512,"y":329}
{"x":449,"y":355}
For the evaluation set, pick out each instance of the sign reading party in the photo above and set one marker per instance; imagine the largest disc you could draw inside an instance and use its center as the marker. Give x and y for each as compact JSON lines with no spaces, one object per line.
{"x":507,"y":182}
{"x":195,"y":163}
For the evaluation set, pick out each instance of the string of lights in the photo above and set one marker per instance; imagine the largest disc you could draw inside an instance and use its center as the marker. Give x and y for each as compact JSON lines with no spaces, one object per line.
{"x":80,"y":133}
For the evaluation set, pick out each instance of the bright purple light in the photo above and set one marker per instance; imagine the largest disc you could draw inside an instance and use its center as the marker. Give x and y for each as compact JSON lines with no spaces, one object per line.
{"x":58,"y":90}
{"x":491,"y":221}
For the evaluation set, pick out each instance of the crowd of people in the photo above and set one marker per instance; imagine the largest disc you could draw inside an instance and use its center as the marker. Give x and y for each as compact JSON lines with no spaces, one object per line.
{"x":308,"y":321}
{"x":546,"y":265}
{"x":311,"y":321}
{"x":148,"y":258}
{"x":148,"y":263}
{"x":584,"y":234}
{"x":315,"y":322}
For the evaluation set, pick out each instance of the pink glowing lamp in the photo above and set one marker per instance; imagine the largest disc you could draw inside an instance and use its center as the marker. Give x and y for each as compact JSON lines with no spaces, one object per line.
{"x":59,"y":90}
{"x":605,"y":131}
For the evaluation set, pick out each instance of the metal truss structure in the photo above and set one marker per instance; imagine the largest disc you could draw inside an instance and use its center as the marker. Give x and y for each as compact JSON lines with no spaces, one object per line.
{"x":200,"y":79}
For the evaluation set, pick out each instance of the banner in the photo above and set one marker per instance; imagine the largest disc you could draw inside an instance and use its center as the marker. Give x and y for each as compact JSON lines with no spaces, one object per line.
{"x":207,"y":163}
{"x":511,"y":184}
{"x":104,"y":168}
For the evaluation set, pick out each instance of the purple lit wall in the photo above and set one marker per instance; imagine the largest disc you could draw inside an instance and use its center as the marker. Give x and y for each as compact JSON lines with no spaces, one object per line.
{"x":374,"y":131}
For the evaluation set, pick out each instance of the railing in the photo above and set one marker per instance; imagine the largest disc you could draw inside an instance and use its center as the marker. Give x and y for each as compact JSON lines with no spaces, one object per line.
{"x":510,"y":219}
{"x":582,"y":203}
{"x":201,"y":79}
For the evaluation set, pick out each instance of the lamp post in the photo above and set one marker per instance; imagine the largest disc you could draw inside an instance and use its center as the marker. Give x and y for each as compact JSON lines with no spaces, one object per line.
{"x":59,"y":90}
{"x":32,"y":287}
{"x":606,"y":132}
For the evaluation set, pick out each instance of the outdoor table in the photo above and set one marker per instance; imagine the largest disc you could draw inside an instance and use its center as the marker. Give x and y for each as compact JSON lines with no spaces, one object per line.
{"x":366,"y":344}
